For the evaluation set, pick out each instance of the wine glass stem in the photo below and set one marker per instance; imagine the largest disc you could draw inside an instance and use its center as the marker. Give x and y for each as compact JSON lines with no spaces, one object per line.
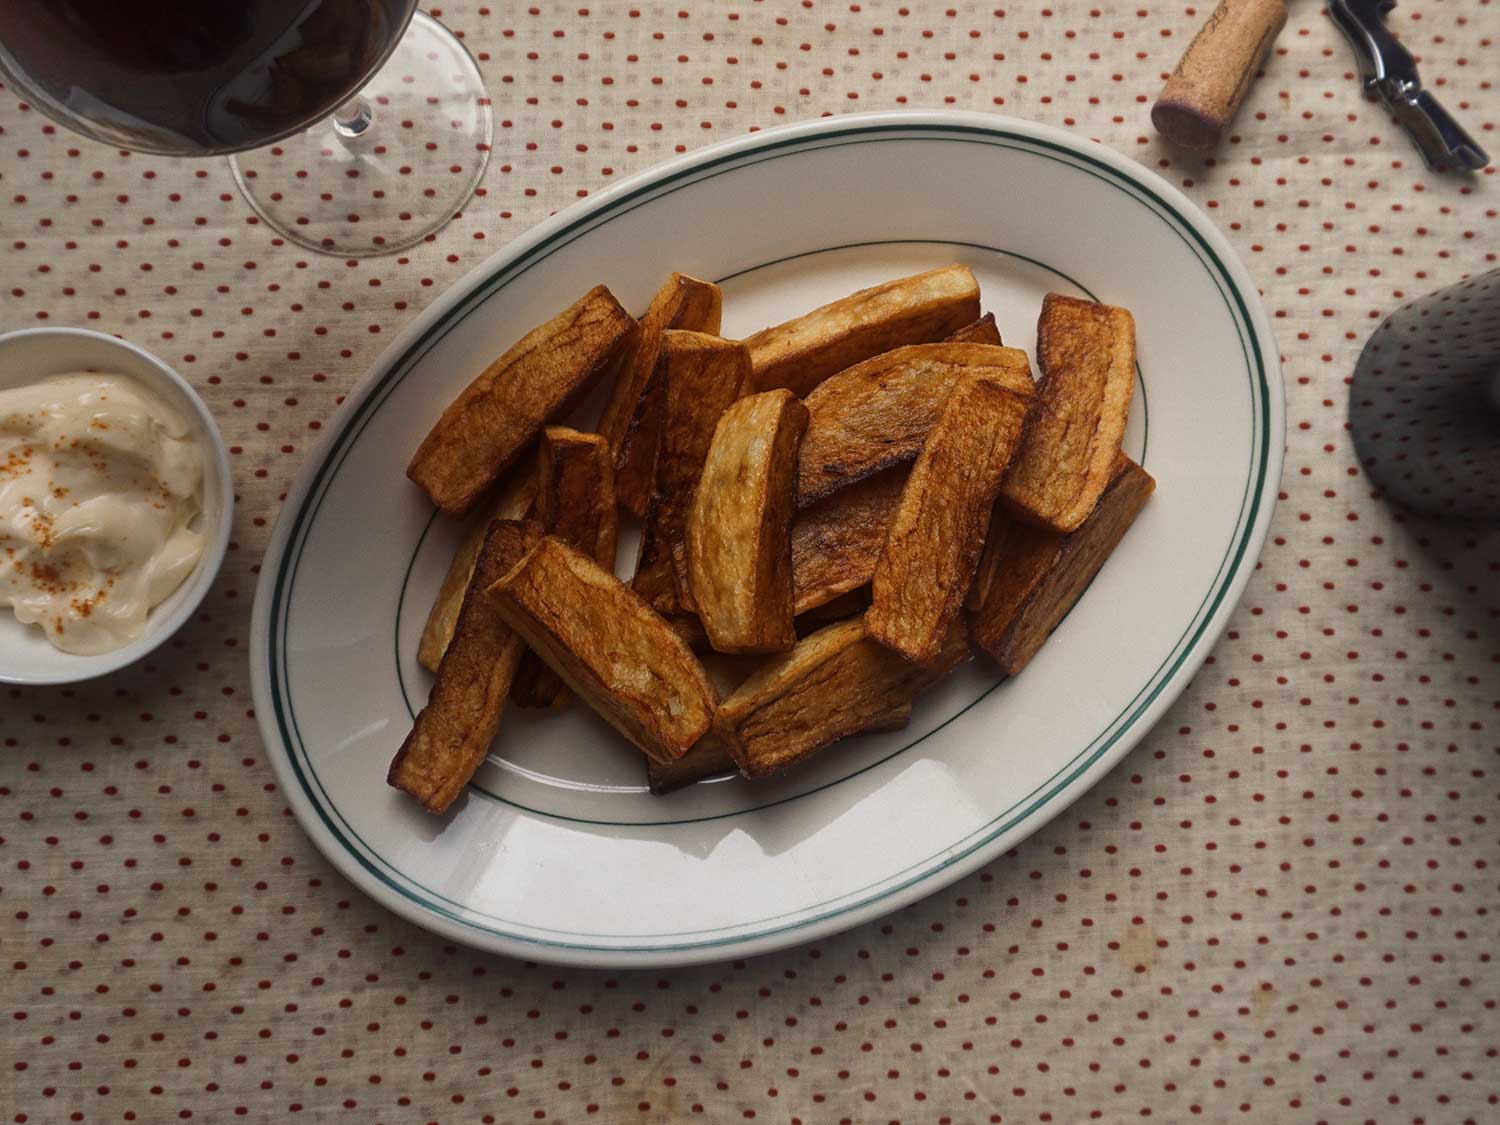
{"x":353,"y":117}
{"x":357,"y":183}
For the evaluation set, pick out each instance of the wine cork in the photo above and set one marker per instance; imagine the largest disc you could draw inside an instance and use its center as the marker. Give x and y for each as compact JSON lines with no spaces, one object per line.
{"x":1205,"y":91}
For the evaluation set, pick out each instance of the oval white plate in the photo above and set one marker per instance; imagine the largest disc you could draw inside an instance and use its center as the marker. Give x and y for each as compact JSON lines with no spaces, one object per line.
{"x":557,"y":853}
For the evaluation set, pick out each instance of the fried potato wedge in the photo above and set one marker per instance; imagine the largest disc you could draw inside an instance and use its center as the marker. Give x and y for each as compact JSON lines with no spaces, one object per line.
{"x":836,"y":541}
{"x":690,"y":629}
{"x":837,"y":682}
{"x":700,"y":376}
{"x":453,"y":732}
{"x":803,"y":352}
{"x":609,"y":647}
{"x":727,"y":671}
{"x":486,"y":428}
{"x":515,"y":500}
{"x":1031,"y":576}
{"x":1086,"y":353}
{"x":981,"y":331}
{"x":852,"y":604}
{"x":738,"y":538}
{"x":712,"y":758}
{"x":938,"y":529}
{"x":576,"y":503}
{"x":575,"y":492}
{"x":709,"y":758}
{"x":632,"y":418}
{"x":877,"y":413}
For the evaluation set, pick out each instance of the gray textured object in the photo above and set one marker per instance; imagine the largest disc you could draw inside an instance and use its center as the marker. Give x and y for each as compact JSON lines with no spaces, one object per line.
{"x":1424,"y":404}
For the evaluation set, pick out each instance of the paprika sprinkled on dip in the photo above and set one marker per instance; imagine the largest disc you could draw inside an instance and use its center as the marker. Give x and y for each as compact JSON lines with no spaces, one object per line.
{"x":101,"y":487}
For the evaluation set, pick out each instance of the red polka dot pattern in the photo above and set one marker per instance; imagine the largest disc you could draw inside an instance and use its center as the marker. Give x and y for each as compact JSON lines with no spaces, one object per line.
{"x":1282,"y":906}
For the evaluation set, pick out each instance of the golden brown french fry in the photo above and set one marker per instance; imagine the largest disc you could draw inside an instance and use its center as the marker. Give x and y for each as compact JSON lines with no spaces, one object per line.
{"x":851,"y":604}
{"x":1031,"y":576}
{"x":738,"y":531}
{"x":609,"y":647}
{"x":453,"y":732}
{"x":690,"y":629}
{"x":1086,"y":353}
{"x":709,"y":758}
{"x":727,"y":671}
{"x":938,"y":528}
{"x":981,"y":331}
{"x":803,"y":352}
{"x":700,"y":376}
{"x":515,"y":500}
{"x":485,"y":429}
{"x":836,"y":541}
{"x":633,"y":416}
{"x":576,"y":503}
{"x":837,"y":682}
{"x":1015,"y":552}
{"x":575,"y":492}
{"x":876,"y":414}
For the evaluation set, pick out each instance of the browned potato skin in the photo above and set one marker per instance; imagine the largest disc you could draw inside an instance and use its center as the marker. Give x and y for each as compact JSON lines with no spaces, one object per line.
{"x":1030,"y":576}
{"x":801,"y":353}
{"x":690,"y":629}
{"x":576,"y":503}
{"x":700,"y":375}
{"x":515,"y":501}
{"x":1086,"y":353}
{"x":836,"y":541}
{"x":738,"y":532}
{"x":852,"y":604}
{"x":877,"y":413}
{"x":452,"y":734}
{"x":981,"y":331}
{"x":609,"y":647}
{"x":575,"y":491}
{"x":487,"y":427}
{"x":710,"y":758}
{"x":837,"y":682}
{"x":938,"y":528}
{"x":632,"y":420}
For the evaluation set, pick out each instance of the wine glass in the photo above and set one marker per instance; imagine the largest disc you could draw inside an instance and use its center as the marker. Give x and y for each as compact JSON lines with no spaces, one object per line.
{"x":357,"y":126}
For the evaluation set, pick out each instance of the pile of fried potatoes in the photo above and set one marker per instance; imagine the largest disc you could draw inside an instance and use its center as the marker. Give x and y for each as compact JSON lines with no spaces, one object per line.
{"x":836,"y":512}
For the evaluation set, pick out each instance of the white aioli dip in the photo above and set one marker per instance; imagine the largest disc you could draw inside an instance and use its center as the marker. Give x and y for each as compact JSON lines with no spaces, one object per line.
{"x":100,"y":481}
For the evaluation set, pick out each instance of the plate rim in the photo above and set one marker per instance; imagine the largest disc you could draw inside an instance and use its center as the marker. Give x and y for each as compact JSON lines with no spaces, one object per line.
{"x":960,"y":859}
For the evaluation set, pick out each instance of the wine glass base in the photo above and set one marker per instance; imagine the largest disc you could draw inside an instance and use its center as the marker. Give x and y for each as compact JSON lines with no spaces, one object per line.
{"x":393,"y":166}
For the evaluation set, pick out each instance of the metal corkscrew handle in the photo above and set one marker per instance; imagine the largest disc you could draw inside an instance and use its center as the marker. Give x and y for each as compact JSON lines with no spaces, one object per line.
{"x":1390,"y":77}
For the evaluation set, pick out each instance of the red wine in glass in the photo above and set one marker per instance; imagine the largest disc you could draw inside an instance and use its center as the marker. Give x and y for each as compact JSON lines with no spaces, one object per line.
{"x":200,"y":77}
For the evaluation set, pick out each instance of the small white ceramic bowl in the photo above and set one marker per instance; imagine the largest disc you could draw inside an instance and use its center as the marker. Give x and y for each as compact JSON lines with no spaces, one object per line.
{"x":26,"y":657}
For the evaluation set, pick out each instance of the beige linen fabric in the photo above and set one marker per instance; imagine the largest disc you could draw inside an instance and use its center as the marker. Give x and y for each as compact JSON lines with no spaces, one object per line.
{"x":1281,"y":906}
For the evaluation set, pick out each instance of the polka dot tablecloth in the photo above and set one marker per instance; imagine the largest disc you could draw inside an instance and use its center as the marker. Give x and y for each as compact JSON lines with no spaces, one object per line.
{"x":1282,"y":906}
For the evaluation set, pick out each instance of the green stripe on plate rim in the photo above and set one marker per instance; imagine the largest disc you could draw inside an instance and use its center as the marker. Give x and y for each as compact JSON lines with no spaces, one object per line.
{"x":914,"y":873}
{"x":416,"y":550}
